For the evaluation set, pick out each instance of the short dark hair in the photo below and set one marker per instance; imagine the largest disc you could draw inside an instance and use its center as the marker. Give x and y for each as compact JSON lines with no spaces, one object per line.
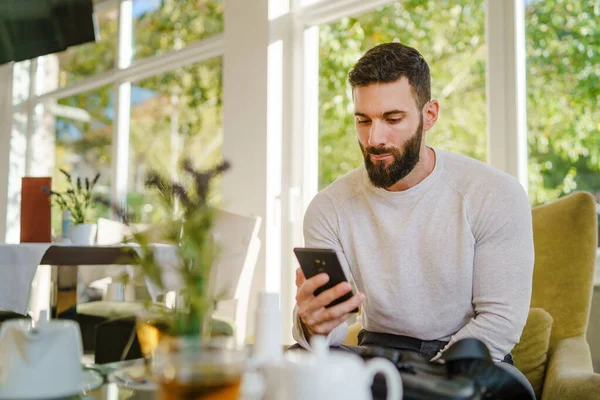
{"x":389,"y":62}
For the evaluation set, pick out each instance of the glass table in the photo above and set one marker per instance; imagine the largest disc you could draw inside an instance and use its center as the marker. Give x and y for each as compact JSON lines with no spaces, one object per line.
{"x":116,"y":386}
{"x":111,"y":391}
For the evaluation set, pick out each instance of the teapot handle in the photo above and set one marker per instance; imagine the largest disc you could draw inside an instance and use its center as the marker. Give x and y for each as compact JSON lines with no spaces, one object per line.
{"x":392,"y":376}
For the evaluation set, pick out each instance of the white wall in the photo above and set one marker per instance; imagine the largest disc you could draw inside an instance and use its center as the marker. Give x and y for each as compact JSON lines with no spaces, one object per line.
{"x":245,"y":120}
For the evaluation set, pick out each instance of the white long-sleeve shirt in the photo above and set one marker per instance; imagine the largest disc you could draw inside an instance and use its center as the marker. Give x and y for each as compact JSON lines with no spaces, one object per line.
{"x":449,"y":258}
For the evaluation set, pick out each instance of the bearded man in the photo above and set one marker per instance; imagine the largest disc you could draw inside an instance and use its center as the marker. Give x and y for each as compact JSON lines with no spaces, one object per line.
{"x":439,"y":245}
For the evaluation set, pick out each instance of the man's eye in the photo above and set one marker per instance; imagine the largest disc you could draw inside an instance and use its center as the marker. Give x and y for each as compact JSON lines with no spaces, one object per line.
{"x":394,"y":120}
{"x":363,"y":121}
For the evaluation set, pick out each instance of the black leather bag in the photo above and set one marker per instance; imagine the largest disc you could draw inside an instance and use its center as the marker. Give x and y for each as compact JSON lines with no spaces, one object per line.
{"x":466,"y":372}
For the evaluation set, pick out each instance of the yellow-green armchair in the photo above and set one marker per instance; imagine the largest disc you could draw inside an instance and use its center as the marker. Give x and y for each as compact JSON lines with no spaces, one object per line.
{"x":565,"y":236}
{"x":553,"y":352}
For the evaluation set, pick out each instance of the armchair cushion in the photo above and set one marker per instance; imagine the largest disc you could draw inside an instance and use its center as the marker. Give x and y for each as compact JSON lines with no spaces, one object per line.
{"x":530,"y":354}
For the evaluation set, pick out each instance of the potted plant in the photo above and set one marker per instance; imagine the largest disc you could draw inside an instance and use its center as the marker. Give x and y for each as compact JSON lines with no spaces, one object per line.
{"x":188,"y":363}
{"x":78,"y":200}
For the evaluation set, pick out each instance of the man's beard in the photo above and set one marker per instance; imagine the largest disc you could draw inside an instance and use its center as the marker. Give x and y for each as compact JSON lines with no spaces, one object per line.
{"x":404,"y":161}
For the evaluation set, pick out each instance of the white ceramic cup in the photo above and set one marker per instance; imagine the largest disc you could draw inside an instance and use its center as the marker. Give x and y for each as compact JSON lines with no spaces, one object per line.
{"x":41,"y":362}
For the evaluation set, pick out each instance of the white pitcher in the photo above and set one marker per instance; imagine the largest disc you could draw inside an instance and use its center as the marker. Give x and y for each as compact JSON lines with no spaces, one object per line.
{"x":325,"y":375}
{"x":83,"y":234}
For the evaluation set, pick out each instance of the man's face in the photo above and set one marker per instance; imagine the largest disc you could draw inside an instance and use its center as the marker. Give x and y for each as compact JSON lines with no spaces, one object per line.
{"x":390,"y":130}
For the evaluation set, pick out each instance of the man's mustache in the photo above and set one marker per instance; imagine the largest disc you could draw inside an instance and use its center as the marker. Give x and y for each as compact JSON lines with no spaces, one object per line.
{"x":377,"y":151}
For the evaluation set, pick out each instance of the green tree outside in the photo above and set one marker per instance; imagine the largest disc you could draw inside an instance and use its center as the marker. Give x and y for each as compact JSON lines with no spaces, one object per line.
{"x":563,"y":91}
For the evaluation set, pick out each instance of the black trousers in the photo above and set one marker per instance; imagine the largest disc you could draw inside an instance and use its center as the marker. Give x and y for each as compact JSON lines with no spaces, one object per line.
{"x":425,"y":348}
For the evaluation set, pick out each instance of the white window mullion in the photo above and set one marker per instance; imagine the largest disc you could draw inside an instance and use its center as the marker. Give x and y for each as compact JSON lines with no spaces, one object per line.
{"x":521,"y":144}
{"x":41,"y":128}
{"x":124,"y":42}
{"x":29,"y":152}
{"x":506,"y":91}
{"x":245,"y":64}
{"x":120,"y":144}
{"x":300,"y":144}
{"x":310,"y":176}
{"x":6,"y":114}
{"x":274,"y":166}
{"x":291,"y":31}
{"x":121,"y":122}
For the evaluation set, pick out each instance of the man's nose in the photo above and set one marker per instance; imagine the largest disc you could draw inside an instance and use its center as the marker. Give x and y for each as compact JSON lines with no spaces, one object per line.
{"x":377,"y":135}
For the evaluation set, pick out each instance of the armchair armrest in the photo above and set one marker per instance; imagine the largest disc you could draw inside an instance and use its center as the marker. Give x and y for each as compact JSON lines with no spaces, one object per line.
{"x":352,"y":336}
{"x":570,"y":374}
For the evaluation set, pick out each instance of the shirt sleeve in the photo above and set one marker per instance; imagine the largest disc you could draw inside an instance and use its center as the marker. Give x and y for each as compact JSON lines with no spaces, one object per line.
{"x":502,"y":270}
{"x":321,"y":231}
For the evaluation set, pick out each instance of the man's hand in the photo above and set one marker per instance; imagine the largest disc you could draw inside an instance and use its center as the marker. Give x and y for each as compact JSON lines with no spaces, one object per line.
{"x":315,"y":318}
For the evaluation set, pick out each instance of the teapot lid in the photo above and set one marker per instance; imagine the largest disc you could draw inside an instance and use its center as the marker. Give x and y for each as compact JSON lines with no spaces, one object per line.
{"x":36,"y":329}
{"x":320,"y":355}
{"x":320,"y":348}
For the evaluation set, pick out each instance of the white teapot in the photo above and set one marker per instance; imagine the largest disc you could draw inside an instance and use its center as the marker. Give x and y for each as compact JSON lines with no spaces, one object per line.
{"x":325,"y":375}
{"x":40,"y":361}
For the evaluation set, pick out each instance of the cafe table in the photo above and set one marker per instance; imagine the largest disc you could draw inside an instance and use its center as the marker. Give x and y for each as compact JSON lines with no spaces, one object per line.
{"x":20,"y":262}
{"x":114,"y":389}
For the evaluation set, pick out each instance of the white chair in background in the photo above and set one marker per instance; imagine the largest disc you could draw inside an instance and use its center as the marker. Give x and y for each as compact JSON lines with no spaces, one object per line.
{"x":238,"y":244}
{"x":231,"y":278}
{"x":101,"y":277}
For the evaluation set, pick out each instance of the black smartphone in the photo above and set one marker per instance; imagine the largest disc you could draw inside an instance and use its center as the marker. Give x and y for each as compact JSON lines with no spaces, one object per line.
{"x":316,"y":261}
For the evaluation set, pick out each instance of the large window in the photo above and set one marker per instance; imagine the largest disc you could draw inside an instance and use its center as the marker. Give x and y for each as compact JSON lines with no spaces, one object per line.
{"x":563,"y":65}
{"x":173,"y":115}
{"x":164,"y":25}
{"x":451,"y":37}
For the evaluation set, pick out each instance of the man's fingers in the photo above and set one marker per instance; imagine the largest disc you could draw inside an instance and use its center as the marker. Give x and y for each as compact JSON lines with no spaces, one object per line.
{"x":300,"y":279}
{"x":328,"y":296}
{"x":344,"y":308}
{"x":306,"y":290}
{"x":328,"y":314}
{"x":313,"y":317}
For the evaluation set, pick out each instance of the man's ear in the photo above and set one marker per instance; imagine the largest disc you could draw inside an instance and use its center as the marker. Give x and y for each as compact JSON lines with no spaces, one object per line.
{"x":430,"y":114}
